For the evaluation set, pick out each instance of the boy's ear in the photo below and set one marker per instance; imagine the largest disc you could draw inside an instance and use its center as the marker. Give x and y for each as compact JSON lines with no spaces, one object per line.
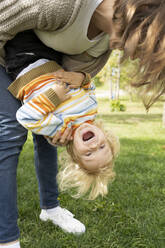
{"x":116,"y":145}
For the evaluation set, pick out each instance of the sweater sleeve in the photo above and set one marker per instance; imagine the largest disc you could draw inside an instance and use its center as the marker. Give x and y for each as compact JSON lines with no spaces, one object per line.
{"x":37,"y":115}
{"x":84,"y":63}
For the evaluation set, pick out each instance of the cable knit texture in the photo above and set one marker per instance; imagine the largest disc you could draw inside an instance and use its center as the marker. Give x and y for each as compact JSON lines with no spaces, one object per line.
{"x":19,"y":15}
{"x":50,"y":15}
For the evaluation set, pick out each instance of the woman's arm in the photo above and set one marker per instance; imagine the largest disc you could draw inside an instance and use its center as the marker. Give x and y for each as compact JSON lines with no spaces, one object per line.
{"x":85,"y":63}
{"x":20,"y":15}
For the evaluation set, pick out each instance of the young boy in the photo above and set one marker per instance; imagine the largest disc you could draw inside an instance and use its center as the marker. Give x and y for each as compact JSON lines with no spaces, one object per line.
{"x":50,"y":106}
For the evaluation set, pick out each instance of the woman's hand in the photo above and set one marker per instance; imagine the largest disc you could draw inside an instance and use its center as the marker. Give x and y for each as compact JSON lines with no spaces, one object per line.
{"x":61,"y":91}
{"x":74,"y":79}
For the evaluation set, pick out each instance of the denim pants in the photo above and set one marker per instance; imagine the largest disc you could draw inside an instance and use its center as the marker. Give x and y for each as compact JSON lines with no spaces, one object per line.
{"x":12,"y":138}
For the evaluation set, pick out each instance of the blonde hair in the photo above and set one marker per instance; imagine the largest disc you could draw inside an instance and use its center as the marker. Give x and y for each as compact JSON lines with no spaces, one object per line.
{"x":91,"y":183}
{"x":141,"y":27}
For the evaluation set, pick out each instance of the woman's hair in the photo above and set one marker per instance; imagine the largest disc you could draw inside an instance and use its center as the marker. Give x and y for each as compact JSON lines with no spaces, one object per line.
{"x":73,"y":175}
{"x":141,"y":26}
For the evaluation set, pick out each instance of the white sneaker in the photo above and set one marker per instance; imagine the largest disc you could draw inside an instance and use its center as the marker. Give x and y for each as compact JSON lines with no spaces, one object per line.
{"x":11,"y":245}
{"x":64,"y":219}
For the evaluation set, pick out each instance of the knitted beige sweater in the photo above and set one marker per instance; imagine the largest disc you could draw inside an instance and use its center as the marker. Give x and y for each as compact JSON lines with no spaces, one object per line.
{"x":51,"y":15}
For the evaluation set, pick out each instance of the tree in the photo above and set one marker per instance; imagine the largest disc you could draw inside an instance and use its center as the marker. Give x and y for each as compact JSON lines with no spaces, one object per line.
{"x":118,"y":76}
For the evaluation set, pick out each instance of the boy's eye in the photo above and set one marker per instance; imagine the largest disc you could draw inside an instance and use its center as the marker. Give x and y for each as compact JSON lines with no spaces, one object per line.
{"x":88,"y":154}
{"x":102,"y":146}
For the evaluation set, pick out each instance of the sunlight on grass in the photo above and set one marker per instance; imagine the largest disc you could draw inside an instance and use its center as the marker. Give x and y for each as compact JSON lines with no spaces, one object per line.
{"x":132,"y":215}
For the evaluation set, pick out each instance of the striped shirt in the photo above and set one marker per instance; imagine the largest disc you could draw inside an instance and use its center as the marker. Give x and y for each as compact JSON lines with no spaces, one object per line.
{"x":41,"y":116}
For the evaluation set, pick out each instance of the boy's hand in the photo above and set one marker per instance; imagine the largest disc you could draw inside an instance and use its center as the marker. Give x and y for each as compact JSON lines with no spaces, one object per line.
{"x":61,"y":139}
{"x":61,"y":91}
{"x":74,"y":79}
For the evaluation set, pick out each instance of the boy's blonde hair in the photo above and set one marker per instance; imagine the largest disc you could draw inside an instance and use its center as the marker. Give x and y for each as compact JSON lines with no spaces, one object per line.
{"x":141,"y":28}
{"x":93,"y":183}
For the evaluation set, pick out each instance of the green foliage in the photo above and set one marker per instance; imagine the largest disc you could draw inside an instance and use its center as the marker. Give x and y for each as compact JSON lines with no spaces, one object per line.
{"x":128,"y":72}
{"x":116,"y":105}
{"x":97,"y":81}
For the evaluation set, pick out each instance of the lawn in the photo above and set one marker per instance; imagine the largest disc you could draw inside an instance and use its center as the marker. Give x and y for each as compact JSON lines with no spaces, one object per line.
{"x":132,"y":215}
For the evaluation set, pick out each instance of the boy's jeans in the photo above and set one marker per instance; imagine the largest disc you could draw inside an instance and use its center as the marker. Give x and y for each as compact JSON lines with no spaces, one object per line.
{"x":12,"y":138}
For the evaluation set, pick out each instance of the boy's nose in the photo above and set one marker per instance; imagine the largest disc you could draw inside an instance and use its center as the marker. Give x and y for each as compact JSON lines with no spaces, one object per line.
{"x":93,"y":145}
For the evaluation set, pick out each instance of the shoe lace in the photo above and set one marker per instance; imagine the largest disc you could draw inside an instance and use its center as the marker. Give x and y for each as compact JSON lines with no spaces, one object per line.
{"x":64,"y":211}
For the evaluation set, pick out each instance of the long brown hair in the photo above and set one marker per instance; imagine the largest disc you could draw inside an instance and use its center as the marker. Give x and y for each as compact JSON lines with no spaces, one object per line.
{"x":141,"y":24}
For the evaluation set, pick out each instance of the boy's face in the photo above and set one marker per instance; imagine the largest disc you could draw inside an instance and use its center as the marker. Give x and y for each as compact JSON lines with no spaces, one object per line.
{"x":90,"y":146}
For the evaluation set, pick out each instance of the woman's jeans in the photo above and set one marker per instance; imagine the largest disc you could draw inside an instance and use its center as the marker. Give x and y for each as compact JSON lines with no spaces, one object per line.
{"x":12,"y":138}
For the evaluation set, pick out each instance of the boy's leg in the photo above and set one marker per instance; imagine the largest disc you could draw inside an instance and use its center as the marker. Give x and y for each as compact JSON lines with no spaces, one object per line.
{"x":12,"y":137}
{"x":46,"y":168}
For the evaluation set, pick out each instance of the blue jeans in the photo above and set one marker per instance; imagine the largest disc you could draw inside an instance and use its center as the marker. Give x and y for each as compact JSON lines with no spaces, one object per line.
{"x":12,"y":138}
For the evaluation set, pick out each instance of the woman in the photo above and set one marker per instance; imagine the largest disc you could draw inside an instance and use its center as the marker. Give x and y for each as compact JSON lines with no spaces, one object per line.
{"x":85,"y":31}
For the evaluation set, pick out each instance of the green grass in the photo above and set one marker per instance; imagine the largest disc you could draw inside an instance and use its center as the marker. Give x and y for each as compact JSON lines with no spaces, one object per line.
{"x":132,"y":215}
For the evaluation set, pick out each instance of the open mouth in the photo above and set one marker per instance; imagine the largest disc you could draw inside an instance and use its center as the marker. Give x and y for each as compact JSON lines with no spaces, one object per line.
{"x":88,"y":135}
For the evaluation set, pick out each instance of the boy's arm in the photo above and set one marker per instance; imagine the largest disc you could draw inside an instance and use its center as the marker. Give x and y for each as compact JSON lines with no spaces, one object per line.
{"x":36,"y":115}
